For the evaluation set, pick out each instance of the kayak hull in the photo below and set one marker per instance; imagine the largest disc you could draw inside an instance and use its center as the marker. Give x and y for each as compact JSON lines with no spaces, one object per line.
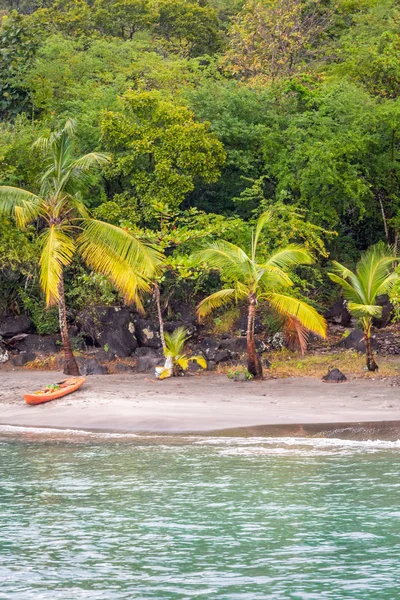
{"x":66,"y":387}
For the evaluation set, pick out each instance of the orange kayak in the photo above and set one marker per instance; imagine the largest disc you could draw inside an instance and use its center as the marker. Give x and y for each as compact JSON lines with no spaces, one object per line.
{"x":58,"y":390}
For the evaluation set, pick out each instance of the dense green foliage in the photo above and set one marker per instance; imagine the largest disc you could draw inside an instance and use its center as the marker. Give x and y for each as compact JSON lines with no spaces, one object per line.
{"x":212,"y":111}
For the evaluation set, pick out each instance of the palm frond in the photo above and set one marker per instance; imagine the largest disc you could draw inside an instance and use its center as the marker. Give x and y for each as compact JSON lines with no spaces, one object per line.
{"x":228,"y":258}
{"x":56,"y":252}
{"x":362,"y":310}
{"x":307,"y":316}
{"x":289,"y":257}
{"x":220,"y":298}
{"x":262,"y":221}
{"x":126,"y":261}
{"x":90,"y":161}
{"x":387,"y":284}
{"x":272,"y":277}
{"x":349,"y":292}
{"x":200,"y":360}
{"x":293,"y":327}
{"x":175,"y":341}
{"x":21,"y":204}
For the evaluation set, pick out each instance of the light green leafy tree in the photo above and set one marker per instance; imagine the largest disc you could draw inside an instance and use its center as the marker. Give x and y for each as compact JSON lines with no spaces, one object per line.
{"x":159,"y":150}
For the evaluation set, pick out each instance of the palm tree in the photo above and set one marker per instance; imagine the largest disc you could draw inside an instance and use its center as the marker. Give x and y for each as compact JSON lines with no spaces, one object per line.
{"x":66,"y":228}
{"x":374,"y":276}
{"x":174,"y":346}
{"x":257,"y":282}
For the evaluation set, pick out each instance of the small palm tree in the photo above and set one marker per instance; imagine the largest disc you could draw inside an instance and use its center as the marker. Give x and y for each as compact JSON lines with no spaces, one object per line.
{"x":174,"y":345}
{"x":66,"y":228}
{"x":257,"y":282}
{"x":374,"y":276}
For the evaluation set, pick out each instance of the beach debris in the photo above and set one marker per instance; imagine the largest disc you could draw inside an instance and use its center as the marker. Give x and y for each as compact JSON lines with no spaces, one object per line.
{"x":334,"y":376}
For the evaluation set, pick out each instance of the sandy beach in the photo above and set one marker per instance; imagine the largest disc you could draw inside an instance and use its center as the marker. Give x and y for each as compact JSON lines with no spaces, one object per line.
{"x":199,"y":404}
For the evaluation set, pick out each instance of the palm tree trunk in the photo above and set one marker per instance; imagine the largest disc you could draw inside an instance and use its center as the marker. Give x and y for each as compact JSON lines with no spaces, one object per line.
{"x":70,"y":364}
{"x":254,"y":365}
{"x":371,"y":364}
{"x":159,"y":313}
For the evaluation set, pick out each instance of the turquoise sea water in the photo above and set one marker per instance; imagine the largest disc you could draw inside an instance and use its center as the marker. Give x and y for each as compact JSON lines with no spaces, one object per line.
{"x":230,"y":519}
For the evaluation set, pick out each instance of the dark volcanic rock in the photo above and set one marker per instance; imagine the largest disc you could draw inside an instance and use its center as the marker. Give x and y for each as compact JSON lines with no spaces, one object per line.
{"x":147,"y":333}
{"x":10,"y":326}
{"x":222,"y":356}
{"x":334,"y":376}
{"x":170,"y":326}
{"x":339,"y":314}
{"x":91,"y":366}
{"x":209,"y":347}
{"x":23,"y":358}
{"x":355,"y":341}
{"x":146,"y":351}
{"x":147,"y":364}
{"x":242,"y":325}
{"x":238,"y":344}
{"x":39,"y":344}
{"x":387,"y":311}
{"x":111,"y":328}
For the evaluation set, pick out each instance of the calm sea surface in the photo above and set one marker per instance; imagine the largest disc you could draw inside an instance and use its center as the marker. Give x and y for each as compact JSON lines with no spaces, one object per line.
{"x":230,"y":519}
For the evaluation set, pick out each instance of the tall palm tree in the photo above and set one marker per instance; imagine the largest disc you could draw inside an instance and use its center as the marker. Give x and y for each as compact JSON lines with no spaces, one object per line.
{"x":257,"y":282}
{"x":374,"y":276}
{"x":66,"y":228}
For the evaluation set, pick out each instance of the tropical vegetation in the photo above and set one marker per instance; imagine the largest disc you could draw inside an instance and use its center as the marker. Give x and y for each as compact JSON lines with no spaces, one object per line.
{"x":66,"y":228}
{"x":168,"y":128}
{"x":256,"y":278}
{"x":373,"y":277}
{"x":174,"y":353}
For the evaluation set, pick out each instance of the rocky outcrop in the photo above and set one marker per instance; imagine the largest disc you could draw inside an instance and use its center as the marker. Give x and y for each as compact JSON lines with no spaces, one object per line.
{"x":111,"y":328}
{"x":10,"y":326}
{"x":339,"y":314}
{"x":23,"y":358}
{"x":147,"y":333}
{"x":38,"y":344}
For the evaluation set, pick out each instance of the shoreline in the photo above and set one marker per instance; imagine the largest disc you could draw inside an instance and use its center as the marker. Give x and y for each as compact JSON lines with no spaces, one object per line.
{"x":207,"y":405}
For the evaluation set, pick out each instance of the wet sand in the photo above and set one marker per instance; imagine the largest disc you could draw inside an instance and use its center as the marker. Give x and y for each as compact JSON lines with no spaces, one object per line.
{"x":204,"y":404}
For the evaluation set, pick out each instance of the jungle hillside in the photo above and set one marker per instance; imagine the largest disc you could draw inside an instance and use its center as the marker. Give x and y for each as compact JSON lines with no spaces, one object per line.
{"x":187,"y":121}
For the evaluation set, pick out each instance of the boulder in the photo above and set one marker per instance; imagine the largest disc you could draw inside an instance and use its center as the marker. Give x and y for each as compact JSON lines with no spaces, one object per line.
{"x":387,"y":311}
{"x":23,"y":358}
{"x":153,"y":352}
{"x":101,"y":354}
{"x":110,"y":327}
{"x":355,"y":341}
{"x":90,"y":366}
{"x":241,"y":325}
{"x":237,"y":344}
{"x":170,"y":326}
{"x":339,"y":314}
{"x":10,"y":326}
{"x":38,"y":344}
{"x":334,"y":376}
{"x":147,"y":364}
{"x":222,"y":356}
{"x":147,"y":333}
{"x":209,"y":347}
